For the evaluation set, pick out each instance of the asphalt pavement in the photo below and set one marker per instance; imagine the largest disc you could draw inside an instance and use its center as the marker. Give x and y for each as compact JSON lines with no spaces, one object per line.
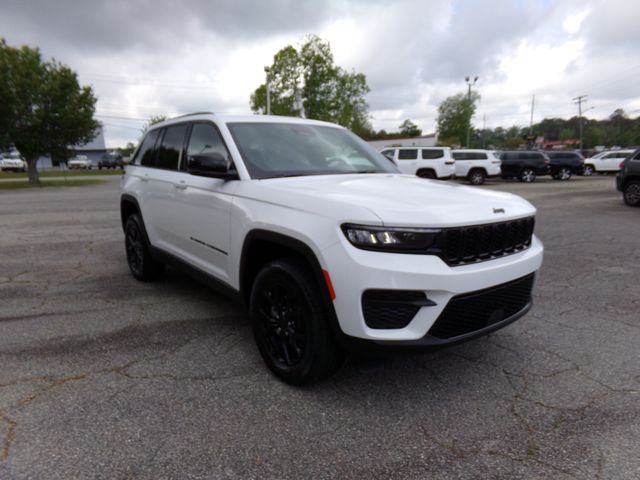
{"x":105,"y":377}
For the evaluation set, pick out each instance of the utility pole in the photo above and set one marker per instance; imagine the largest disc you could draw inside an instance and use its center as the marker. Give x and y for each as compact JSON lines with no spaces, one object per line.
{"x":469,"y":84}
{"x":484,"y":127}
{"x":266,"y":70}
{"x":533,"y":101}
{"x":579,"y":100}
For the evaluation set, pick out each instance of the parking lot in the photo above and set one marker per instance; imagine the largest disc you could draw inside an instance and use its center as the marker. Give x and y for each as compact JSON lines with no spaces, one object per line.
{"x":105,"y":377}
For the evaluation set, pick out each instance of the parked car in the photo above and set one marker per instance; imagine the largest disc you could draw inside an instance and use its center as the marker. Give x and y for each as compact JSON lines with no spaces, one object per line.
{"x":476,"y":165}
{"x":12,"y":162}
{"x":323,"y":239}
{"x":110,"y":160}
{"x":79,"y":162}
{"x":525,"y":165}
{"x":565,"y":164}
{"x":628,"y":179}
{"x":604,"y":162}
{"x":425,"y":162}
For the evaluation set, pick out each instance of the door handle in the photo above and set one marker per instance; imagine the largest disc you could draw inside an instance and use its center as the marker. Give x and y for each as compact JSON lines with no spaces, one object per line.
{"x":144,"y":178}
{"x":180,"y":186}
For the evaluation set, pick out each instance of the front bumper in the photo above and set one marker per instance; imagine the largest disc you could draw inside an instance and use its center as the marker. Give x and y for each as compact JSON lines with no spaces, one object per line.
{"x":354,"y":271}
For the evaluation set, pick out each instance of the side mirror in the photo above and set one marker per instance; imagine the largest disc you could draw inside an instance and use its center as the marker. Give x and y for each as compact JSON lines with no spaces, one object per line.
{"x":212,"y":165}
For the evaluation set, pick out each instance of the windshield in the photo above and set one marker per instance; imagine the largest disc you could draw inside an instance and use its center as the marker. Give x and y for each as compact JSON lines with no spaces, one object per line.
{"x":272,"y":150}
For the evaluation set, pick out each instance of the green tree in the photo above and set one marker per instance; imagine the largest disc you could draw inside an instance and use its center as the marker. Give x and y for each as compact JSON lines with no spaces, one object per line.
{"x":409,"y":129}
{"x":453,"y":114}
{"x":307,"y":82}
{"x":127,"y":150}
{"x":43,"y":108}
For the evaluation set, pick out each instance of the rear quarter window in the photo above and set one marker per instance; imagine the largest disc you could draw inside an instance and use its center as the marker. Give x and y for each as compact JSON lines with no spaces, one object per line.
{"x":432,"y":154}
{"x":408,"y":154}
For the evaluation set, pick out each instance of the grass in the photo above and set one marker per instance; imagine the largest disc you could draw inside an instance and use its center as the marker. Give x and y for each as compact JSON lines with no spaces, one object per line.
{"x":55,"y":183}
{"x":59,"y":173}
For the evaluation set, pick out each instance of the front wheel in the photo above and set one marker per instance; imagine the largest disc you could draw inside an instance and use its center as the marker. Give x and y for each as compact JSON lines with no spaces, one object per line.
{"x":528,"y":175}
{"x":426,"y":174}
{"x":631,"y":193}
{"x":290,"y":324}
{"x":588,"y":170}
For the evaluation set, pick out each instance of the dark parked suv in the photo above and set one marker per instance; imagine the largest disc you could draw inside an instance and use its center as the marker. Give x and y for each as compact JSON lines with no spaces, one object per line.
{"x":110,"y":160}
{"x":628,"y":179}
{"x":525,"y":165}
{"x":565,"y":164}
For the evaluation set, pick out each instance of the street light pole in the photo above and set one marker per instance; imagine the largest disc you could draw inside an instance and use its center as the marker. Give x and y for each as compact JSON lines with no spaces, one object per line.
{"x":469,"y":84}
{"x":580,"y":99}
{"x":266,"y":70}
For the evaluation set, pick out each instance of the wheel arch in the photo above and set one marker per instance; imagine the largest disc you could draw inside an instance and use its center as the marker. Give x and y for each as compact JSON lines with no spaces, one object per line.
{"x":262,"y":246}
{"x":128,"y":205}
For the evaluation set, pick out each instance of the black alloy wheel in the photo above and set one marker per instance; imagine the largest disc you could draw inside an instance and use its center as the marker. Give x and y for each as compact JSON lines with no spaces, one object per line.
{"x":563,"y":174}
{"x":141,"y":263}
{"x":631,"y":193}
{"x":291,"y":325}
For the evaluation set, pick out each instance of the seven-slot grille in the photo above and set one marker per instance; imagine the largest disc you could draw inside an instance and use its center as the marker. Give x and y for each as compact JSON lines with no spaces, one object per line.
{"x":462,"y":245}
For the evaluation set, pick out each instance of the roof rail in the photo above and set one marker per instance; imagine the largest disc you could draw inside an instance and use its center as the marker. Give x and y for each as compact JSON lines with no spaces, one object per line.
{"x":194,"y":113}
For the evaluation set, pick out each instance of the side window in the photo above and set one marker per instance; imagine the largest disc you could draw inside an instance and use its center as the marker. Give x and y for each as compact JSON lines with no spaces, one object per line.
{"x":457,"y":155}
{"x":432,"y":154}
{"x":408,"y":154}
{"x":388,"y":153}
{"x":637,"y":156}
{"x":206,"y":139}
{"x":146,"y":153}
{"x":480,"y":156}
{"x":170,"y":150}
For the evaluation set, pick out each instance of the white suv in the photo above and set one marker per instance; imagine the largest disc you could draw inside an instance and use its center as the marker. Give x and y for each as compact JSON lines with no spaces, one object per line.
{"x":476,"y":165}
{"x":425,"y":162}
{"x":321,"y":237}
{"x":608,"y":161}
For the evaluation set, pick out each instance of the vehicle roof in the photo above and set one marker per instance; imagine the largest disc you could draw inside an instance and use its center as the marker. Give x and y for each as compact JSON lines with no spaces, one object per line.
{"x":419,"y":146}
{"x":472,"y":150}
{"x":243,"y":119}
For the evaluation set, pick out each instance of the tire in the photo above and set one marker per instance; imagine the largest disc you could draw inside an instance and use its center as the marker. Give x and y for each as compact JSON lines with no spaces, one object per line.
{"x":631,"y":193}
{"x":142,"y":265}
{"x":528,"y":175}
{"x":563,"y":174}
{"x":476,"y":177}
{"x":426,"y":174}
{"x":588,"y":170}
{"x":290,"y":324}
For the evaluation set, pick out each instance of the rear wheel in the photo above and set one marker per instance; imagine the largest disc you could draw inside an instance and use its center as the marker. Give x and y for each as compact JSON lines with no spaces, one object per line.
{"x":142,"y":265}
{"x":588,"y":170}
{"x":476,"y":177}
{"x":426,"y":174}
{"x":528,"y":175}
{"x":563,"y":174}
{"x":631,"y":193}
{"x":290,"y":324}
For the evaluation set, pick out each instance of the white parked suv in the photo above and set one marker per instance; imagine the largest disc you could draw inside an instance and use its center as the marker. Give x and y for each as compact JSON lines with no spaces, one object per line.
{"x":79,"y":162}
{"x":608,"y":161}
{"x":476,"y":165}
{"x":323,"y":240}
{"x":425,"y":162}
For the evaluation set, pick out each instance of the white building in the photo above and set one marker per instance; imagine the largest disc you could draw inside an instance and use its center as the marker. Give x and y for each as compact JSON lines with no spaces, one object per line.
{"x":428,"y":140}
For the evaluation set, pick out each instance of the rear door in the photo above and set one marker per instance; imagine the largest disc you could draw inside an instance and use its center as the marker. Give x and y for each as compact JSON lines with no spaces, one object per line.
{"x":407,"y":160}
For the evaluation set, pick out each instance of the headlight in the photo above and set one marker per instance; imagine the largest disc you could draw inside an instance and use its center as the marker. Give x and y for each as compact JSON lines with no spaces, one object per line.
{"x":390,"y":239}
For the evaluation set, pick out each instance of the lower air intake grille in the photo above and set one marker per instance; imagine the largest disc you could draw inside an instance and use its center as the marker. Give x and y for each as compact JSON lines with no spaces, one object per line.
{"x":388,"y":309}
{"x":474,"y":311}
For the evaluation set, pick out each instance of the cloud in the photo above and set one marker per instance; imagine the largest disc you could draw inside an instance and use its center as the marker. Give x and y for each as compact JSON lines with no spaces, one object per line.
{"x":146,"y":57}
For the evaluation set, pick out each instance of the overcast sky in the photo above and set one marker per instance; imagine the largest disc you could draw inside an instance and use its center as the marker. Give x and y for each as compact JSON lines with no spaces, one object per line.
{"x":160,"y":57}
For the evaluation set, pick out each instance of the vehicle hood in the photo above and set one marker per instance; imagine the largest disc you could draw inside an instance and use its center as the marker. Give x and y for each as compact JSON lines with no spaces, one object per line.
{"x":396,"y":200}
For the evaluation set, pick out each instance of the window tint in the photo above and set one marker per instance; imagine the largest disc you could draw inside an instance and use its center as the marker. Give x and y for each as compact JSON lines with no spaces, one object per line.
{"x":388,"y":153}
{"x":146,"y":153}
{"x":206,"y":139}
{"x":408,"y":154}
{"x":431,"y":154}
{"x":637,"y":156}
{"x":170,"y":150}
{"x":469,"y":155}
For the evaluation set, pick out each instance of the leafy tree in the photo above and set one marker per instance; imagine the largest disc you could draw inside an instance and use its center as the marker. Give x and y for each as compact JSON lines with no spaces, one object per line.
{"x":453,"y":116}
{"x":306,"y":82}
{"x":43,"y":108}
{"x":127,"y":150}
{"x":409,"y":129}
{"x":153,"y":119}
